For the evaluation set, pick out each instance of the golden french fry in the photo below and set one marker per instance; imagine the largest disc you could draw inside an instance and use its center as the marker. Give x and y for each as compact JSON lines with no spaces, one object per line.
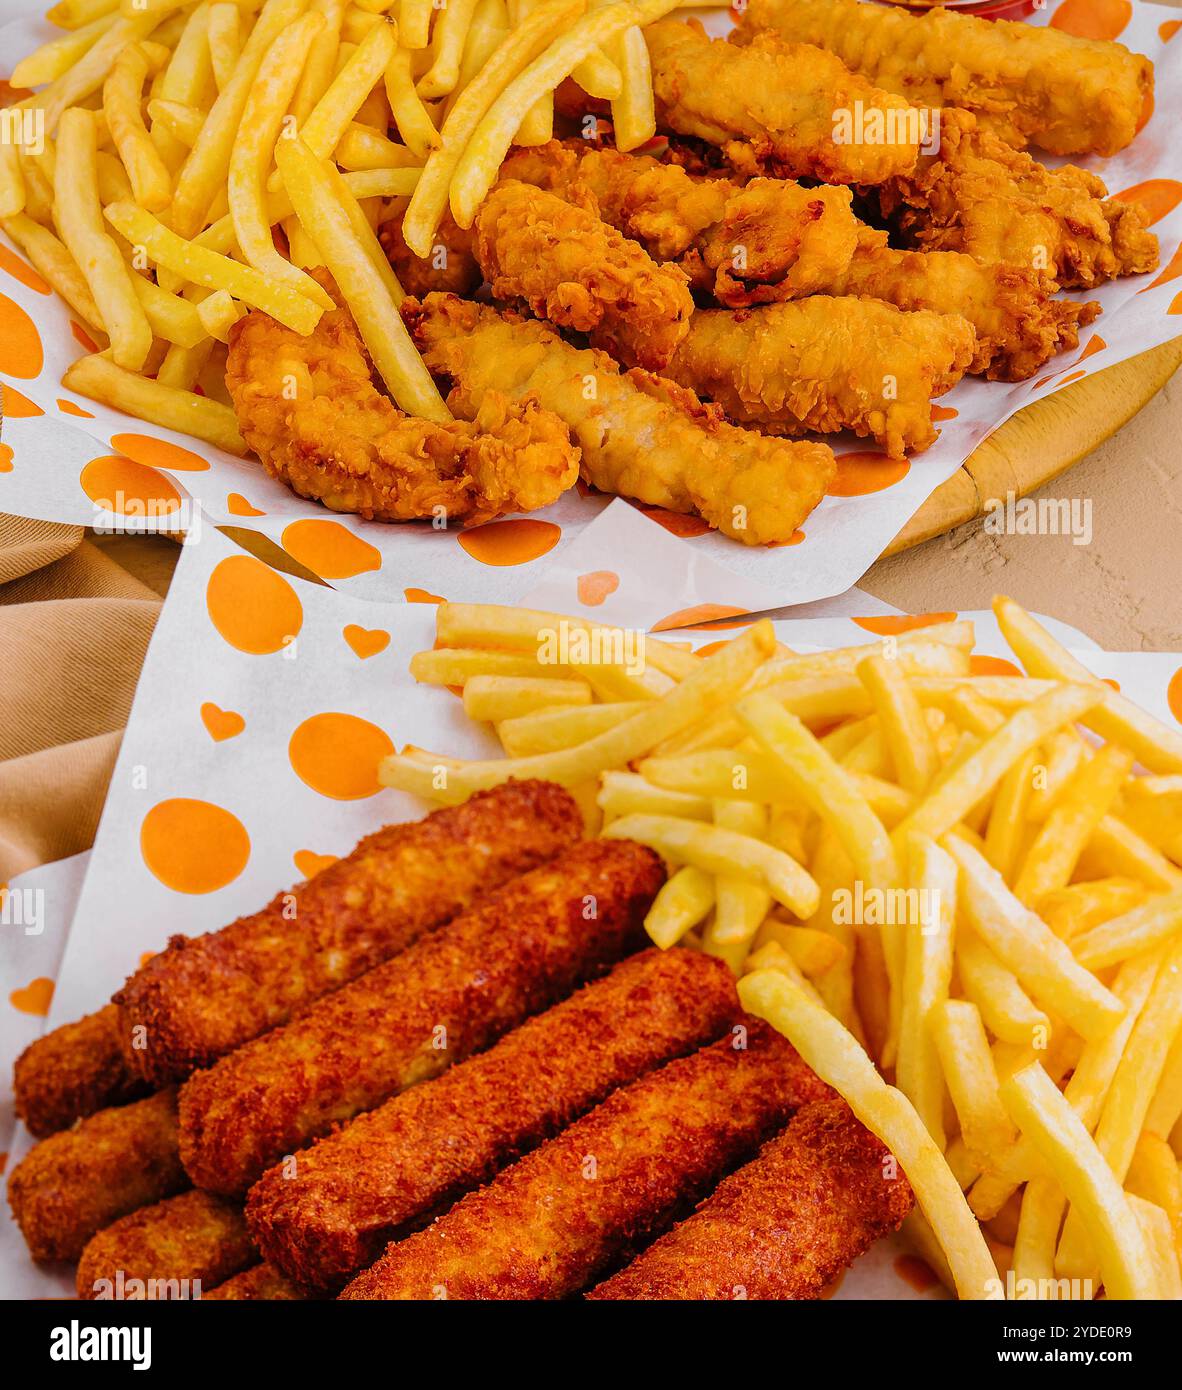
{"x":1007,"y":815}
{"x":47,"y":254}
{"x":150,"y":180}
{"x":182,"y":367}
{"x":1115,"y":717}
{"x":494,"y":698}
{"x":330,"y":214}
{"x":815,"y":952}
{"x":490,"y":25}
{"x":634,"y":120}
{"x":225,"y":41}
{"x":330,"y":117}
{"x":908,"y":738}
{"x":969,"y":1072}
{"x":410,"y":115}
{"x":1166,"y":1107}
{"x":186,"y":83}
{"x":739,"y":905}
{"x":451,"y":33}
{"x":1142,"y":929}
{"x":320,"y":67}
{"x":1043,"y":1115}
{"x":547,"y":730}
{"x":59,"y":55}
{"x":1074,"y":910}
{"x":182,"y":122}
{"x":173,"y":319}
{"x":204,"y":267}
{"x":1023,"y":942}
{"x":1115,"y":848}
{"x":837,"y":1059}
{"x":218,"y":313}
{"x":73,"y":14}
{"x":1065,"y":754}
{"x":684,"y":901}
{"x":89,"y":73}
{"x":414,"y":23}
{"x":80,"y":221}
{"x":1159,"y":1244}
{"x":456,"y":665}
{"x":1005,"y":1006}
{"x":99,"y":379}
{"x":518,"y":50}
{"x":625,"y":794}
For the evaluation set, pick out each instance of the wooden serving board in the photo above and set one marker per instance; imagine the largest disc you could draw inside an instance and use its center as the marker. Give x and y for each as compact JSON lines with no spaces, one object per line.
{"x":1042,"y":441}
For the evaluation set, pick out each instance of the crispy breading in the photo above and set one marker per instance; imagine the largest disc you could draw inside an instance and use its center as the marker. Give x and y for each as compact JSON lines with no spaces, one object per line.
{"x":451,"y":268}
{"x":1019,"y":325}
{"x":641,"y":435}
{"x":451,"y":994}
{"x":770,"y":106}
{"x":327,"y":1216}
{"x":309,"y":408}
{"x":980,"y":196}
{"x":828,"y":364}
{"x":206,"y":995}
{"x":260,"y":1284}
{"x":169,"y":1251}
{"x":782,"y":1227}
{"x":78,"y":1181}
{"x":1029,"y":85}
{"x":570,"y":267}
{"x":552,"y":1223}
{"x":72,"y":1072}
{"x":769,"y":240}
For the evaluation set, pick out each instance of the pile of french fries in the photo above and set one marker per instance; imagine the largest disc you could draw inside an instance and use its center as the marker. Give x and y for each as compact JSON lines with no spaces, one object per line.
{"x":193,"y":159}
{"x":959,"y":895}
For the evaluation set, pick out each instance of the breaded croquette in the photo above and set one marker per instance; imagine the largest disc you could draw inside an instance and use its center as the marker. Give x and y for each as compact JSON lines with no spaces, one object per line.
{"x":552,"y":1223}
{"x":204,"y":996}
{"x":784,"y":1225}
{"x":451,"y":994}
{"x":326,"y":1216}
{"x":260,"y":1284}
{"x":78,"y":1181}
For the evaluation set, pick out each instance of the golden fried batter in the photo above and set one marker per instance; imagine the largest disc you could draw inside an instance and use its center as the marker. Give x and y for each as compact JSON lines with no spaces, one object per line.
{"x":451,"y":994}
{"x":828,"y":364}
{"x":782,"y":1227}
{"x":552,"y":1223}
{"x":78,"y":1181}
{"x":259,"y":1284}
{"x":350,"y":1193}
{"x":573,"y":269}
{"x":169,"y":1251}
{"x":641,"y":436}
{"x":203,"y":996}
{"x":451,"y":268}
{"x":309,"y":409}
{"x":71,"y":1072}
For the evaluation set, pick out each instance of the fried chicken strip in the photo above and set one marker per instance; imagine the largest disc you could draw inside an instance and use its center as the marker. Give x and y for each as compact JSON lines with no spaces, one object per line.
{"x":1028,"y":85}
{"x":350,"y":1193}
{"x":168,"y":1251}
{"x":310,"y":410}
{"x":451,"y":994}
{"x":1019,"y":325}
{"x":641,"y":436}
{"x":550,"y":1224}
{"x":78,"y":1181}
{"x":259,"y":1284}
{"x":828,"y":364}
{"x":204,"y":996}
{"x":979,"y":196}
{"x":571,"y":268}
{"x":451,"y":268}
{"x":784,"y":1226}
{"x":72,"y":1072}
{"x":755,"y":244}
{"x":771,"y":107}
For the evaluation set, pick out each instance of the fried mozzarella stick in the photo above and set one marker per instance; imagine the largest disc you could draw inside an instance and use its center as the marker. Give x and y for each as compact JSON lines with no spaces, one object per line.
{"x":571,"y":268}
{"x":547,"y":1226}
{"x":72,"y":1072}
{"x":259,"y":1284}
{"x":1028,"y":85}
{"x":1019,"y":325}
{"x":78,"y":1181}
{"x":641,"y":436}
{"x":206,"y":995}
{"x":169,"y":1251}
{"x":772,"y":107}
{"x":828,"y":364}
{"x":980,"y":196}
{"x":451,"y":994}
{"x":784,"y":1226}
{"x":760,"y":243}
{"x":332,"y":1213}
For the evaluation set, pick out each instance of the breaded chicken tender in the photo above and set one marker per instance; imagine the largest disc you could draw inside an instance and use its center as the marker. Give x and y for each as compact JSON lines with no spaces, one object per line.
{"x":980,"y":196}
{"x":828,"y":364}
{"x":769,"y":240}
{"x":332,"y":1213}
{"x":550,"y":1224}
{"x":260,"y":1284}
{"x":451,"y":994}
{"x":204,"y":996}
{"x":78,"y":1181}
{"x":72,"y":1072}
{"x":1028,"y":85}
{"x":784,"y":1226}
{"x":310,"y":410}
{"x":451,"y":268}
{"x":571,"y":268}
{"x":641,"y":435}
{"x":169,"y":1251}
{"x":771,"y":106}
{"x":1019,"y":325}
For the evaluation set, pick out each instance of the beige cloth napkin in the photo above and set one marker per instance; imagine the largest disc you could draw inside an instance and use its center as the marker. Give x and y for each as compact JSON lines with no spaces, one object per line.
{"x":76,"y":614}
